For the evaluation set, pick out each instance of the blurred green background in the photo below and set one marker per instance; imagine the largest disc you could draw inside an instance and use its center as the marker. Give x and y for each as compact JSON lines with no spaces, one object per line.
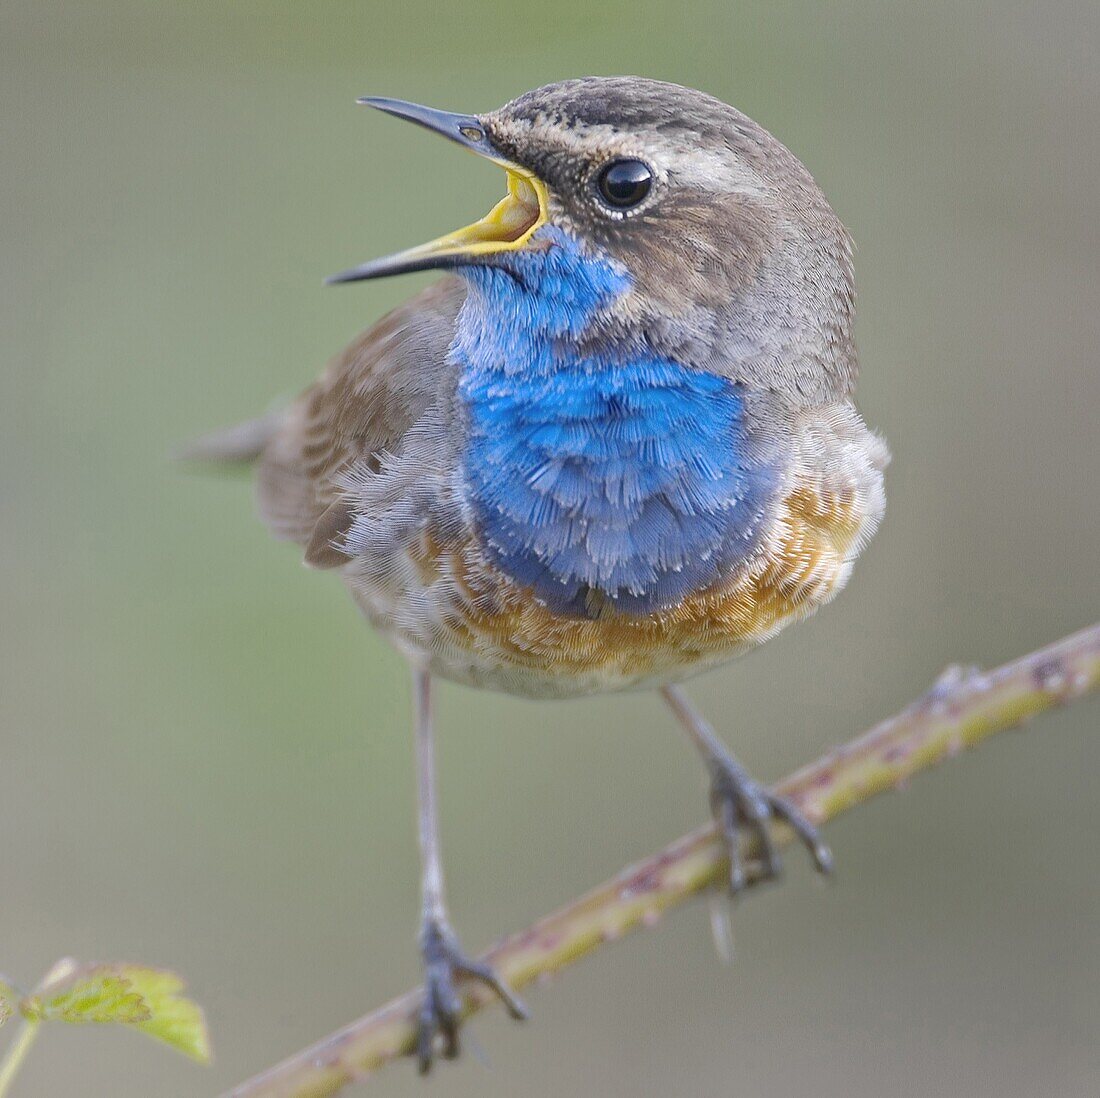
{"x":204,"y":755}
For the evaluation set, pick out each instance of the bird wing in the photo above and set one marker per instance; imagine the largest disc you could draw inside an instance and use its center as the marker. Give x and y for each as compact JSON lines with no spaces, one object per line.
{"x":359,"y":410}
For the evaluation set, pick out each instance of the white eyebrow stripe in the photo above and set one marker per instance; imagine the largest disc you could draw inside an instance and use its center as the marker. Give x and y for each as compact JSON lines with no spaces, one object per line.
{"x":717,"y":169}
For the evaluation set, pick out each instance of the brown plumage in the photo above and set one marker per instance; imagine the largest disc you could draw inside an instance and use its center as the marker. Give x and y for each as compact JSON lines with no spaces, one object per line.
{"x":355,"y":414}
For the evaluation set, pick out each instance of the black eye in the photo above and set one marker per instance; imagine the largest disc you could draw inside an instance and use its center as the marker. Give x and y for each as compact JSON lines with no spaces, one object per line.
{"x":624,"y":183}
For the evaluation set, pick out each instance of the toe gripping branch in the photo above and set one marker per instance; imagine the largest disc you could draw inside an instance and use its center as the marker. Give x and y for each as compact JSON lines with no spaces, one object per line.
{"x":442,"y":1008}
{"x":738,"y":804}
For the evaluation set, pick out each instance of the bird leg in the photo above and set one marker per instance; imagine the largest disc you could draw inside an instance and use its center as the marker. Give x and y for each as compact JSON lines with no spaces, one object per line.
{"x":738,"y":802}
{"x":444,"y":962}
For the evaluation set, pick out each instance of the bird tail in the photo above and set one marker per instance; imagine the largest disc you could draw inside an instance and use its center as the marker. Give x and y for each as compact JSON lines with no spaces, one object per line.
{"x":241,"y":444}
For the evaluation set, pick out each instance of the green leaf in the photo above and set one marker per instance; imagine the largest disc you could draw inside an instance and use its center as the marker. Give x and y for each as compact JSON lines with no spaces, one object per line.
{"x":92,"y":995}
{"x":143,"y":998}
{"x":174,"y":1019}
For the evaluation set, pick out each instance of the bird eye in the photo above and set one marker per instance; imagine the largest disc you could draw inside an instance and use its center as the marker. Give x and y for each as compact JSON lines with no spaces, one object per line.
{"x":624,"y":183}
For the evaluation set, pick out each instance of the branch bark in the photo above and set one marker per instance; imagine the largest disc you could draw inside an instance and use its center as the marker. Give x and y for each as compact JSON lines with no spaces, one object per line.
{"x":962,"y":709}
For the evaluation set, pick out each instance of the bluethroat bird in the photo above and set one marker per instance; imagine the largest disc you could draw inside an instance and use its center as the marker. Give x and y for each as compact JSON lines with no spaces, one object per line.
{"x":614,"y":447}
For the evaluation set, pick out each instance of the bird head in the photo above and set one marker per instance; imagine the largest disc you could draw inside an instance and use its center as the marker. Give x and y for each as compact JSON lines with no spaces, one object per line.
{"x":725,"y":253}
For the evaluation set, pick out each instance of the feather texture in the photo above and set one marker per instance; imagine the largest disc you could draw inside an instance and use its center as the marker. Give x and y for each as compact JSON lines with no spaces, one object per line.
{"x":599,"y":474}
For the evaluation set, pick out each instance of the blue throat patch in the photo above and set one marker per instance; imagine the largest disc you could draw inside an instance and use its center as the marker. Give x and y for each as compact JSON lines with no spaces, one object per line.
{"x":602,"y":475}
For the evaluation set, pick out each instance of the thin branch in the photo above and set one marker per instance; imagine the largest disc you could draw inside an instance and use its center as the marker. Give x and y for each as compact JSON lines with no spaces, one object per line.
{"x":961,"y":710}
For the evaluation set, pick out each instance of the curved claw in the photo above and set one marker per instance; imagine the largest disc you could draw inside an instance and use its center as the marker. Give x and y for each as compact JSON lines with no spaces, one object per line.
{"x":440,"y":1013}
{"x":478,"y":970}
{"x":441,"y":1010}
{"x":811,"y":838}
{"x":725,"y":812}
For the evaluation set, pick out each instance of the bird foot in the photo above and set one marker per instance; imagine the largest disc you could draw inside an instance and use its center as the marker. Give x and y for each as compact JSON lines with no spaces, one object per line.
{"x":738,"y":804}
{"x":441,"y":1011}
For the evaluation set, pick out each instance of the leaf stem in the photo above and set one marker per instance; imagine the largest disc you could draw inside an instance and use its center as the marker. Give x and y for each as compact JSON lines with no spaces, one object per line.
{"x":16,"y":1054}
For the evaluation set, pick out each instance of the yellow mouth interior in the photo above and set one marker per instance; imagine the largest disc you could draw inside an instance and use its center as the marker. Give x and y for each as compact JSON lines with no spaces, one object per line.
{"x":507,"y":226}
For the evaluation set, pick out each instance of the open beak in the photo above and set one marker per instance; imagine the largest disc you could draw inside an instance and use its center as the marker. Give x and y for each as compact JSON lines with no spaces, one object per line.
{"x":505,"y":228}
